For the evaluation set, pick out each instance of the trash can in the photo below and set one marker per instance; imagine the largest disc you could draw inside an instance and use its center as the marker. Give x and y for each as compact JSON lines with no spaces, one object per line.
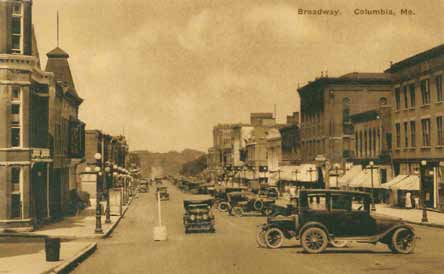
{"x":52,"y":249}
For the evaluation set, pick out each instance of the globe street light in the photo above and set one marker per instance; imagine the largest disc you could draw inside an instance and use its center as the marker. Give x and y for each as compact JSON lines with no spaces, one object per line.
{"x":108,"y":209}
{"x":97,"y":169}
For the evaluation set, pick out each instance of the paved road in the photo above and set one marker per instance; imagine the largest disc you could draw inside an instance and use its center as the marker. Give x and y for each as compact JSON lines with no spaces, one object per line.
{"x":232,"y":249}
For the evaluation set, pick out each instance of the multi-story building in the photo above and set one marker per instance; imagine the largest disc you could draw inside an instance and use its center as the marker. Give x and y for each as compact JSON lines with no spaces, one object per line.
{"x":24,"y":152}
{"x":241,"y":133}
{"x":67,"y":133}
{"x":290,"y":141}
{"x":418,"y":112}
{"x":222,"y":143}
{"x":326,"y":106}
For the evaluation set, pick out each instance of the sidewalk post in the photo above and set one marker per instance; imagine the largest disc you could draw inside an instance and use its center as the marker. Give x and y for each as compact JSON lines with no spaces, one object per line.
{"x":372,"y":166}
{"x":107,"y":175}
{"x":422,"y":173}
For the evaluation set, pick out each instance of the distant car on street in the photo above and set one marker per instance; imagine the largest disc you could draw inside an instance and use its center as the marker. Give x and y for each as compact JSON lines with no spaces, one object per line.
{"x":198,"y":215}
{"x":163,"y":193}
{"x":245,"y":201}
{"x":221,"y":199}
{"x":330,"y":216}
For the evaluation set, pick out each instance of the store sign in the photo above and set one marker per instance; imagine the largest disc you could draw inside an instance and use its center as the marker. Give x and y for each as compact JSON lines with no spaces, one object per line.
{"x":40,"y":153}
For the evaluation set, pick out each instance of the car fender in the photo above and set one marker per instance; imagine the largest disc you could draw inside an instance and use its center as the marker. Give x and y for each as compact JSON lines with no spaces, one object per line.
{"x":312,"y":224}
{"x":392,"y":229}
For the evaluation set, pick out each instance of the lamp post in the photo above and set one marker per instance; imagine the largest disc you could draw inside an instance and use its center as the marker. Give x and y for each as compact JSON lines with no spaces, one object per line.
{"x":372,"y":166}
{"x":97,"y":169}
{"x":422,"y":174}
{"x":108,"y":183}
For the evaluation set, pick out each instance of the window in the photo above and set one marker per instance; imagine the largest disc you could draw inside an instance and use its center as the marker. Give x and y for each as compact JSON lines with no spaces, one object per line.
{"x":346,"y":110}
{"x":425,"y":92}
{"x":15,"y":196}
{"x":15,"y":96}
{"x":15,"y":137}
{"x":412,"y":95}
{"x":425,"y":124}
{"x":16,"y":29}
{"x":398,"y":135}
{"x":406,"y":98}
{"x":382,"y":101}
{"x":439,"y":130}
{"x":16,"y":206}
{"x":413,"y":133}
{"x":398,"y":98}
{"x":317,"y":202}
{"x":438,"y":84}
{"x":406,"y":134}
{"x":341,"y":203}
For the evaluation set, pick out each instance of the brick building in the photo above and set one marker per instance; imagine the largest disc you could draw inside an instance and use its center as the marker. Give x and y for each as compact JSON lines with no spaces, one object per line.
{"x":24,"y":151}
{"x":418,"y":120}
{"x":326,"y":106}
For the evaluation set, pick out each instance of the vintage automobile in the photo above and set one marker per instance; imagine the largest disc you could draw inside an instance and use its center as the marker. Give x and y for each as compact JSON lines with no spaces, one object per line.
{"x":288,"y":210}
{"x":245,"y":201}
{"x":330,"y":216}
{"x":198,"y":215}
{"x":269,"y":192}
{"x":143,"y":187}
{"x":221,"y":199}
{"x":162,"y":192}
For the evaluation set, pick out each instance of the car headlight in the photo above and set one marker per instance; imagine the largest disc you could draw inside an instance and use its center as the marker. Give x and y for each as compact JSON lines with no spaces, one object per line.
{"x":193,"y":217}
{"x":205,"y":216}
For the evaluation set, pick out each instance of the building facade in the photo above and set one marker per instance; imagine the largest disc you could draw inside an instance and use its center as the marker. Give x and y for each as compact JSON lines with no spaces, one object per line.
{"x":290,"y":141}
{"x":24,"y":148}
{"x":326,"y":106}
{"x":418,"y":111}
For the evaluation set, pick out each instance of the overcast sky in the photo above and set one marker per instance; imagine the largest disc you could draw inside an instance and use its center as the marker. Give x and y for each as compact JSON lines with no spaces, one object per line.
{"x":168,"y":71}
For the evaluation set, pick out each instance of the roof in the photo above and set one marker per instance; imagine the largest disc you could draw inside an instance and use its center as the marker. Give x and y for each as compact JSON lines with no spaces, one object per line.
{"x":364,"y":116}
{"x":334,"y":191}
{"x":59,"y":65}
{"x":418,"y":58}
{"x":349,"y":78}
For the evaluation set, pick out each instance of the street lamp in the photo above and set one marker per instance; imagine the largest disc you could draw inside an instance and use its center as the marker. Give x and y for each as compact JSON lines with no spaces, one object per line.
{"x":107,"y":182}
{"x":422,"y":174}
{"x":372,"y":166}
{"x":98,"y":229}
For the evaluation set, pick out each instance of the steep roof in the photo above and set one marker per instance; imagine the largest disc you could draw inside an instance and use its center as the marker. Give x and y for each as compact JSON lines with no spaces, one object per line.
{"x":59,"y":65}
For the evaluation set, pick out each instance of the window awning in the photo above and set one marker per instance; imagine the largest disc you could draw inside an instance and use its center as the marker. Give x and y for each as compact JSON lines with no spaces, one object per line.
{"x":364,"y":179}
{"x":299,"y":173}
{"x":409,"y":182}
{"x":349,"y":175}
{"x":394,"y":181}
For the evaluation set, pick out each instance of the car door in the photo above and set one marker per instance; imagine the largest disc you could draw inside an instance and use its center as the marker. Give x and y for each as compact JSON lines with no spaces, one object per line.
{"x":340,"y":214}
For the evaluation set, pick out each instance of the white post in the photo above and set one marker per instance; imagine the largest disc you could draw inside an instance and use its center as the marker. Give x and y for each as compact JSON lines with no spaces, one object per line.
{"x":158,"y":209}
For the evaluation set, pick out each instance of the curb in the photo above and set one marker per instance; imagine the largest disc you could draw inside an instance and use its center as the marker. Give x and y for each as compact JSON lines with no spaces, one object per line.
{"x":425,"y":224}
{"x":110,"y":231}
{"x":72,"y":263}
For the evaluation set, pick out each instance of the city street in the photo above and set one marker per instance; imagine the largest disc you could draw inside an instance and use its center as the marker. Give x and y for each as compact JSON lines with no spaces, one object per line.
{"x":232,"y":249}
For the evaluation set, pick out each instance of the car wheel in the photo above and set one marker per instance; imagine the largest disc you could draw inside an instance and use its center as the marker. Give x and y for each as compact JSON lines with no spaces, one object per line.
{"x":258,"y":205}
{"x":403,"y":241}
{"x":267,"y":211}
{"x":314,"y":240}
{"x":237,"y":211}
{"x":274,"y":238}
{"x":223,"y":207}
{"x":260,"y":236}
{"x":339,"y":244}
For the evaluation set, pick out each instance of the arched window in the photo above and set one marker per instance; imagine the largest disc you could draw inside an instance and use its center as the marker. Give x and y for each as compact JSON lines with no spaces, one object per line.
{"x":382,"y":101}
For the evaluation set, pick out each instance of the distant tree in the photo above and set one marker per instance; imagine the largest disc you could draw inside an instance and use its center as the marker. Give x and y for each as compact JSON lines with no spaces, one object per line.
{"x":193,"y":168}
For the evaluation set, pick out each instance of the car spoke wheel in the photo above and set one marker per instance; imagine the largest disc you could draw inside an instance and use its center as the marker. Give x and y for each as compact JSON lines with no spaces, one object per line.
{"x":267,"y":211}
{"x":238,"y":211}
{"x":403,"y":241}
{"x":223,"y":207}
{"x":258,"y":205}
{"x":274,"y":238}
{"x":260,"y":236}
{"x":314,"y":240}
{"x":339,"y":244}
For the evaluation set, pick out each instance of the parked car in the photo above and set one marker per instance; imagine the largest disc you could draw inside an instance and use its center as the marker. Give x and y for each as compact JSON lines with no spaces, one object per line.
{"x":245,"y":201}
{"x":329,"y":216}
{"x":198,"y":215}
{"x":164,"y":195}
{"x":143,"y":187}
{"x":221,"y":199}
{"x":269,"y":192}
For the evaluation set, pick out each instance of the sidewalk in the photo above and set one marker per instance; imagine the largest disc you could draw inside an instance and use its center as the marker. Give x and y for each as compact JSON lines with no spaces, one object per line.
{"x":413,"y":216}
{"x":24,"y":253}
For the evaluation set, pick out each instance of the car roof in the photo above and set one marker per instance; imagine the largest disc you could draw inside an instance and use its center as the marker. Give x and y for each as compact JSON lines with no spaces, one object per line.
{"x":338,"y":191}
{"x":240,"y":193}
